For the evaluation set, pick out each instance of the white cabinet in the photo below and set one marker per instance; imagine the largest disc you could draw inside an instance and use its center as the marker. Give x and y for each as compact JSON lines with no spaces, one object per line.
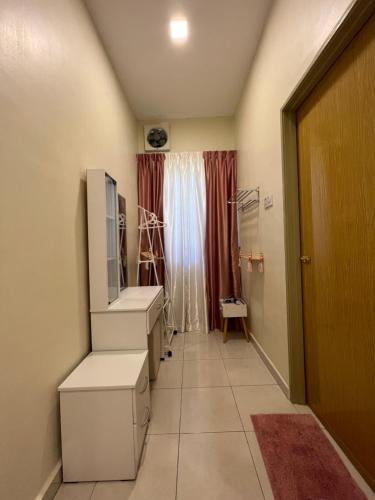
{"x":133,"y":321}
{"x":105,"y":409}
{"x":102,"y":215}
{"x":126,"y":320}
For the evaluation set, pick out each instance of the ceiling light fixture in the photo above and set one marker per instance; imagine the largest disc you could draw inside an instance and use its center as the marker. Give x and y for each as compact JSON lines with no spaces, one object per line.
{"x":178,"y":30}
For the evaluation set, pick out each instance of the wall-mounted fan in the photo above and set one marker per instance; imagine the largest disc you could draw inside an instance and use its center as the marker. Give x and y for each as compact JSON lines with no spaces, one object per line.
{"x":156,"y":137}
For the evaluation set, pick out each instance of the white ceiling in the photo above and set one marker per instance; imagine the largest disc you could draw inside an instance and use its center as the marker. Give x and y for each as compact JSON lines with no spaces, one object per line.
{"x":204,"y":76}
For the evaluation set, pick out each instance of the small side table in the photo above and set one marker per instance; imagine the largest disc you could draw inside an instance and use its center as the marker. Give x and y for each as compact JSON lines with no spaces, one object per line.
{"x":233,"y":310}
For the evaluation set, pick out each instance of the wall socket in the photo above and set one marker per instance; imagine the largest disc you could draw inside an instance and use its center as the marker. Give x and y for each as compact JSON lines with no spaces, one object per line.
{"x":268,"y":201}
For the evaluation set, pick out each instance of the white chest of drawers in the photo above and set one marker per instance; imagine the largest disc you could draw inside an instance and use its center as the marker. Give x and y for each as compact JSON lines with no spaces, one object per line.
{"x":105,"y":409}
{"x":133,"y":321}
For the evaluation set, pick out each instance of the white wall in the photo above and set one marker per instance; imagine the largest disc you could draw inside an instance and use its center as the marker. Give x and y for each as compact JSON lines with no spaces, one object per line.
{"x":294,"y":33}
{"x":197,"y":134}
{"x":62,"y":112}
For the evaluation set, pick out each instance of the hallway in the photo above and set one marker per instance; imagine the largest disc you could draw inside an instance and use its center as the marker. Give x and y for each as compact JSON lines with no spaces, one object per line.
{"x":201,"y":443}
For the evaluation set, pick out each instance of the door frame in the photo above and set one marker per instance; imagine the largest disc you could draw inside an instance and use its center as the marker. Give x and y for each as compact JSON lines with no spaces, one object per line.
{"x":355,"y":17}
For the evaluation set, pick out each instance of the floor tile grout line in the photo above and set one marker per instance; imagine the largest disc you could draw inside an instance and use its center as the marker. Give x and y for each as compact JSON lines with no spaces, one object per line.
{"x":216,"y":359}
{"x":196,"y":433}
{"x":234,"y":398}
{"x":248,"y":445}
{"x":244,"y":432}
{"x":213,"y":386}
{"x":222,"y":386}
{"x":96,"y":482}
{"x":212,"y":432}
{"x":255,"y":467}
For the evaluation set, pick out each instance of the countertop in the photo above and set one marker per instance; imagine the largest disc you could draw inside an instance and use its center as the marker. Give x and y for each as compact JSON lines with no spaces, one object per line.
{"x":106,"y":370}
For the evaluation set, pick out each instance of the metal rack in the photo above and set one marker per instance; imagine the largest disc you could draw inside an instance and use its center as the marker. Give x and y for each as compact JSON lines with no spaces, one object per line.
{"x":150,"y":231}
{"x":245,"y":199}
{"x":253,"y":258}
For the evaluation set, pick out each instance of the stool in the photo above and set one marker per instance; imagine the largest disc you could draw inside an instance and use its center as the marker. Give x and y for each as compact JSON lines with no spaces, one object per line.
{"x":233,"y":310}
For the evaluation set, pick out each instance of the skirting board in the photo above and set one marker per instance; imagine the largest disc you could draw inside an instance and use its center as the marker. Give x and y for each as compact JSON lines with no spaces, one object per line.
{"x":272,"y":368}
{"x":51,"y":485}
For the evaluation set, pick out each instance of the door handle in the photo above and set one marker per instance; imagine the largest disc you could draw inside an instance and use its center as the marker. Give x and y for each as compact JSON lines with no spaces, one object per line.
{"x":305,"y":259}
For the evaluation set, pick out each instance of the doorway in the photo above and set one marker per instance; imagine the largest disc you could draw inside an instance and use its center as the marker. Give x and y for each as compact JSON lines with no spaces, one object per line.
{"x":336,"y":179}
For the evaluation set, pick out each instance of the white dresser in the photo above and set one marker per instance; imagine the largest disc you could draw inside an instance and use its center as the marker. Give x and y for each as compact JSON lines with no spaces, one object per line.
{"x":133,"y":321}
{"x":105,"y":410}
{"x":121,"y":319}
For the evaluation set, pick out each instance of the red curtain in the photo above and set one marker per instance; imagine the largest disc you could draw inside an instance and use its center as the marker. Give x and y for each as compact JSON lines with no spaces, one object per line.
{"x":150,"y":197}
{"x":222,"y":270}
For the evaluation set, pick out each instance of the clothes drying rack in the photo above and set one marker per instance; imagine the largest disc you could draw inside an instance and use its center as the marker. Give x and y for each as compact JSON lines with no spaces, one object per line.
{"x":245,"y":198}
{"x":122,"y":229}
{"x":150,"y":230}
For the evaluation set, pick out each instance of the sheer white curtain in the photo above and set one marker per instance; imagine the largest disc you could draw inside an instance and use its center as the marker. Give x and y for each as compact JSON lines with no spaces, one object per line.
{"x":185,"y":214}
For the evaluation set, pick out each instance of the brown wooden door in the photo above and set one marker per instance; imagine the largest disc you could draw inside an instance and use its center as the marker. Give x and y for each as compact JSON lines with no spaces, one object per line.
{"x":336,"y":149}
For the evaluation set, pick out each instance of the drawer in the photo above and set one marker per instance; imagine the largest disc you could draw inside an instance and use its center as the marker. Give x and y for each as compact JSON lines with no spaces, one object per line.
{"x":154,"y":348}
{"x":118,"y":331}
{"x":141,"y":395}
{"x":139,"y":439}
{"x":140,"y":429}
{"x":154,"y":311}
{"x":141,"y":410}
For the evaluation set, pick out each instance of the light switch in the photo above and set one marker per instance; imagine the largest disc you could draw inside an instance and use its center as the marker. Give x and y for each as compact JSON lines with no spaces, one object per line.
{"x":268,"y":201}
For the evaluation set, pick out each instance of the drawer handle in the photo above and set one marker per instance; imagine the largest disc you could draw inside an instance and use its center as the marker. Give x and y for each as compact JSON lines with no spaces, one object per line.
{"x":146,"y":385}
{"x":147,"y":416}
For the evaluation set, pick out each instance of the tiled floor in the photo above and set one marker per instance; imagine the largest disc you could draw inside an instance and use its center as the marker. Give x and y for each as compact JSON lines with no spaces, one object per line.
{"x":201,"y":443}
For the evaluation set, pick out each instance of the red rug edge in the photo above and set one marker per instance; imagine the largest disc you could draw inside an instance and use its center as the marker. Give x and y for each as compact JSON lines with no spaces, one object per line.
{"x":343,"y":474}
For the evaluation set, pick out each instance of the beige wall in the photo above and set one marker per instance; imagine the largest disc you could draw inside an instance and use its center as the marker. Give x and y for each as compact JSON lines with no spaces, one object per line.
{"x":61,"y":112}
{"x":197,"y":134}
{"x":294,"y":33}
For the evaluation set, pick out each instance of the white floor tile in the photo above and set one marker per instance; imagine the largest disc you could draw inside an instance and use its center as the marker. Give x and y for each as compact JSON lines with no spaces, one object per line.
{"x":177,"y":355}
{"x":217,"y":335}
{"x":169,"y":376}
{"x":216,"y":466}
{"x":260,"y":399}
{"x":259,"y":465}
{"x":165,"y":411}
{"x":113,"y":490}
{"x":204,"y":373}
{"x":209,"y":410}
{"x":201,"y":349}
{"x":75,"y":491}
{"x":237,"y":348}
{"x":178,"y":340}
{"x":177,"y":348}
{"x":198,"y":338}
{"x":248,"y":371}
{"x":303,"y":409}
{"x":232,"y":335}
{"x":157,"y":475}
